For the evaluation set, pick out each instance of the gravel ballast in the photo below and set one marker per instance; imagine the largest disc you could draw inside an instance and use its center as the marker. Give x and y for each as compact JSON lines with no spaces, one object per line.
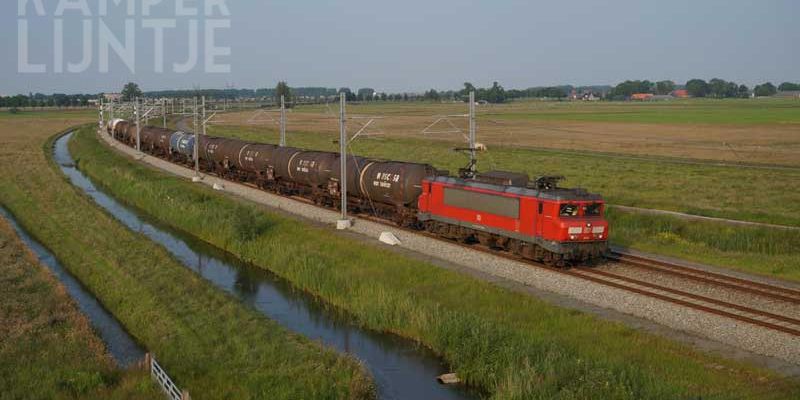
{"x":737,"y":334}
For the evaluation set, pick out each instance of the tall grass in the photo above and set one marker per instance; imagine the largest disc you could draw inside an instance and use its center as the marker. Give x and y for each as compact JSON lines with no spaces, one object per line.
{"x":512,"y":345}
{"x":47,"y":347}
{"x":765,"y":251}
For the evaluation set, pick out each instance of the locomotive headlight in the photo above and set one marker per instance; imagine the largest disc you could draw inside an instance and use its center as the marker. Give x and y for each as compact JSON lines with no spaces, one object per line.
{"x":572,"y":237}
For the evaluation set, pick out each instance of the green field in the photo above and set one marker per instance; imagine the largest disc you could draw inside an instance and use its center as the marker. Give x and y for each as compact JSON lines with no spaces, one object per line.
{"x":209,"y":342}
{"x":689,"y":111}
{"x":48,"y":349}
{"x":510,"y":344}
{"x":680,"y":111}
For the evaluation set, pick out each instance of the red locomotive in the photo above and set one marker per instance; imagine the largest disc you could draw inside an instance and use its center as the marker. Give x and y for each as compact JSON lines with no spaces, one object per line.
{"x":501,"y":210}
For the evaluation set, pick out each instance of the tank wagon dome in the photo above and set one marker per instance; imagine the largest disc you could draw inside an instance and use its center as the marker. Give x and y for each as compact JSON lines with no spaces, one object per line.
{"x":393,"y":182}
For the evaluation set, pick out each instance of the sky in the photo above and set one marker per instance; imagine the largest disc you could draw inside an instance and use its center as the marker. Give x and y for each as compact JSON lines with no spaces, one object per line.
{"x":394,"y":46}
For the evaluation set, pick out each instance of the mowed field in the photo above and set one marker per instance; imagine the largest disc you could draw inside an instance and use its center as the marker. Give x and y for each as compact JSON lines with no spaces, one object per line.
{"x":762,"y":131}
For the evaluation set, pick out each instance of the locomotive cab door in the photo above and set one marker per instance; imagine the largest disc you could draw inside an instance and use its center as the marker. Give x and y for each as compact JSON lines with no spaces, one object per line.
{"x":539,"y":217}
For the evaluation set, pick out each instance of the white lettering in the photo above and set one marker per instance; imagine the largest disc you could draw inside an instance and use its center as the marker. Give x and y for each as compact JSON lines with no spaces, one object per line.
{"x":22,"y":7}
{"x":222,"y":5}
{"x":212,"y":52}
{"x":103,"y":11}
{"x":58,"y":46}
{"x":193,"y":46}
{"x":158,"y":26}
{"x":87,"y":50}
{"x":73,"y":5}
{"x":147,"y":5}
{"x":127,"y":52}
{"x":22,"y":51}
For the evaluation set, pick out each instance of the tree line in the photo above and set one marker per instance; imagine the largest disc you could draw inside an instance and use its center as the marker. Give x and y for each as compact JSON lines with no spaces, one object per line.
{"x":43,"y":100}
{"x":496,"y":93}
{"x":715,"y":88}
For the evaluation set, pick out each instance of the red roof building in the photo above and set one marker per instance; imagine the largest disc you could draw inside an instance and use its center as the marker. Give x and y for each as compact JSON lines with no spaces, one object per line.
{"x":680,"y":93}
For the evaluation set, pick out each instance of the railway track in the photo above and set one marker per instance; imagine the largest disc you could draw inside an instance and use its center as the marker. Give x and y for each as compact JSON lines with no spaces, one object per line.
{"x":707,"y":277}
{"x":672,"y":295}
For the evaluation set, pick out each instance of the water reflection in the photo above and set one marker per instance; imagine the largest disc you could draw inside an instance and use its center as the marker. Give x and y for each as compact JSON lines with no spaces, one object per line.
{"x":120,"y":345}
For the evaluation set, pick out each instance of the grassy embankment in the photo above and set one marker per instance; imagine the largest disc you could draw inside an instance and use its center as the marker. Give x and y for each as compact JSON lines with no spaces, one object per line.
{"x":209,"y":342}
{"x":509,"y":343}
{"x":746,"y":194}
{"x":48,"y":349}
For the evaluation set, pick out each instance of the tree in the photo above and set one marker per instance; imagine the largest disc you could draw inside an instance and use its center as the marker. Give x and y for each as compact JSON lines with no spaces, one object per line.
{"x":131,"y":91}
{"x":766,"y":89}
{"x":432,"y":95}
{"x":496,"y":94}
{"x":697,"y":87}
{"x":743,"y":92}
{"x":665,"y":87}
{"x":716,"y":88}
{"x":788,"y":86}
{"x":366,"y":94}
{"x":283,"y":89}
{"x":348,"y":94}
{"x":627,"y":88}
{"x":468,"y":88}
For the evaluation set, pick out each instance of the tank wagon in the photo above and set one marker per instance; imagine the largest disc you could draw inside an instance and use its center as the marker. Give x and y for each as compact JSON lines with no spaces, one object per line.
{"x":500,"y":210}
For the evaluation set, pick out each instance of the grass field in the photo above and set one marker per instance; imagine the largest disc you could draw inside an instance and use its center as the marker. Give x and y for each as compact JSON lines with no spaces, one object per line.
{"x":760,"y":131}
{"x":209,"y":342}
{"x":511,"y":344}
{"x":48,"y":349}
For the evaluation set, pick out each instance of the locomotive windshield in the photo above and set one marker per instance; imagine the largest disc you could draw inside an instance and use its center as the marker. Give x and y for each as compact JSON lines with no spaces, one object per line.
{"x":592,"y":209}
{"x":568,"y":210}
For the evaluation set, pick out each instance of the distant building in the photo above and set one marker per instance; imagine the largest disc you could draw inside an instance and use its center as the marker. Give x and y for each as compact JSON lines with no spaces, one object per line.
{"x":680,"y":93}
{"x":641,"y":96}
{"x":112,"y":96}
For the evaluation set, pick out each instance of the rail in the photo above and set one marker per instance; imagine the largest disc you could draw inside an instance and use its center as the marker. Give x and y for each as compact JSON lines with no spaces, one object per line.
{"x":164,"y":381}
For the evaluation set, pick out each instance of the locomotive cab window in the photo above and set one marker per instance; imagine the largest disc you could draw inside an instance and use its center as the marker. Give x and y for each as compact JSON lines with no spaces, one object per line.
{"x":593,"y":209}
{"x":568,"y":210}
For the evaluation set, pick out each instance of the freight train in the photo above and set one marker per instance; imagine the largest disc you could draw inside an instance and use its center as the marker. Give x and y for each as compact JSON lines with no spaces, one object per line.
{"x":504,"y":211}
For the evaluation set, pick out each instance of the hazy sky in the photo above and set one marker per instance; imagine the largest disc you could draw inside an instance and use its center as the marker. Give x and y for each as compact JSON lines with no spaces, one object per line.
{"x":411,"y":45}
